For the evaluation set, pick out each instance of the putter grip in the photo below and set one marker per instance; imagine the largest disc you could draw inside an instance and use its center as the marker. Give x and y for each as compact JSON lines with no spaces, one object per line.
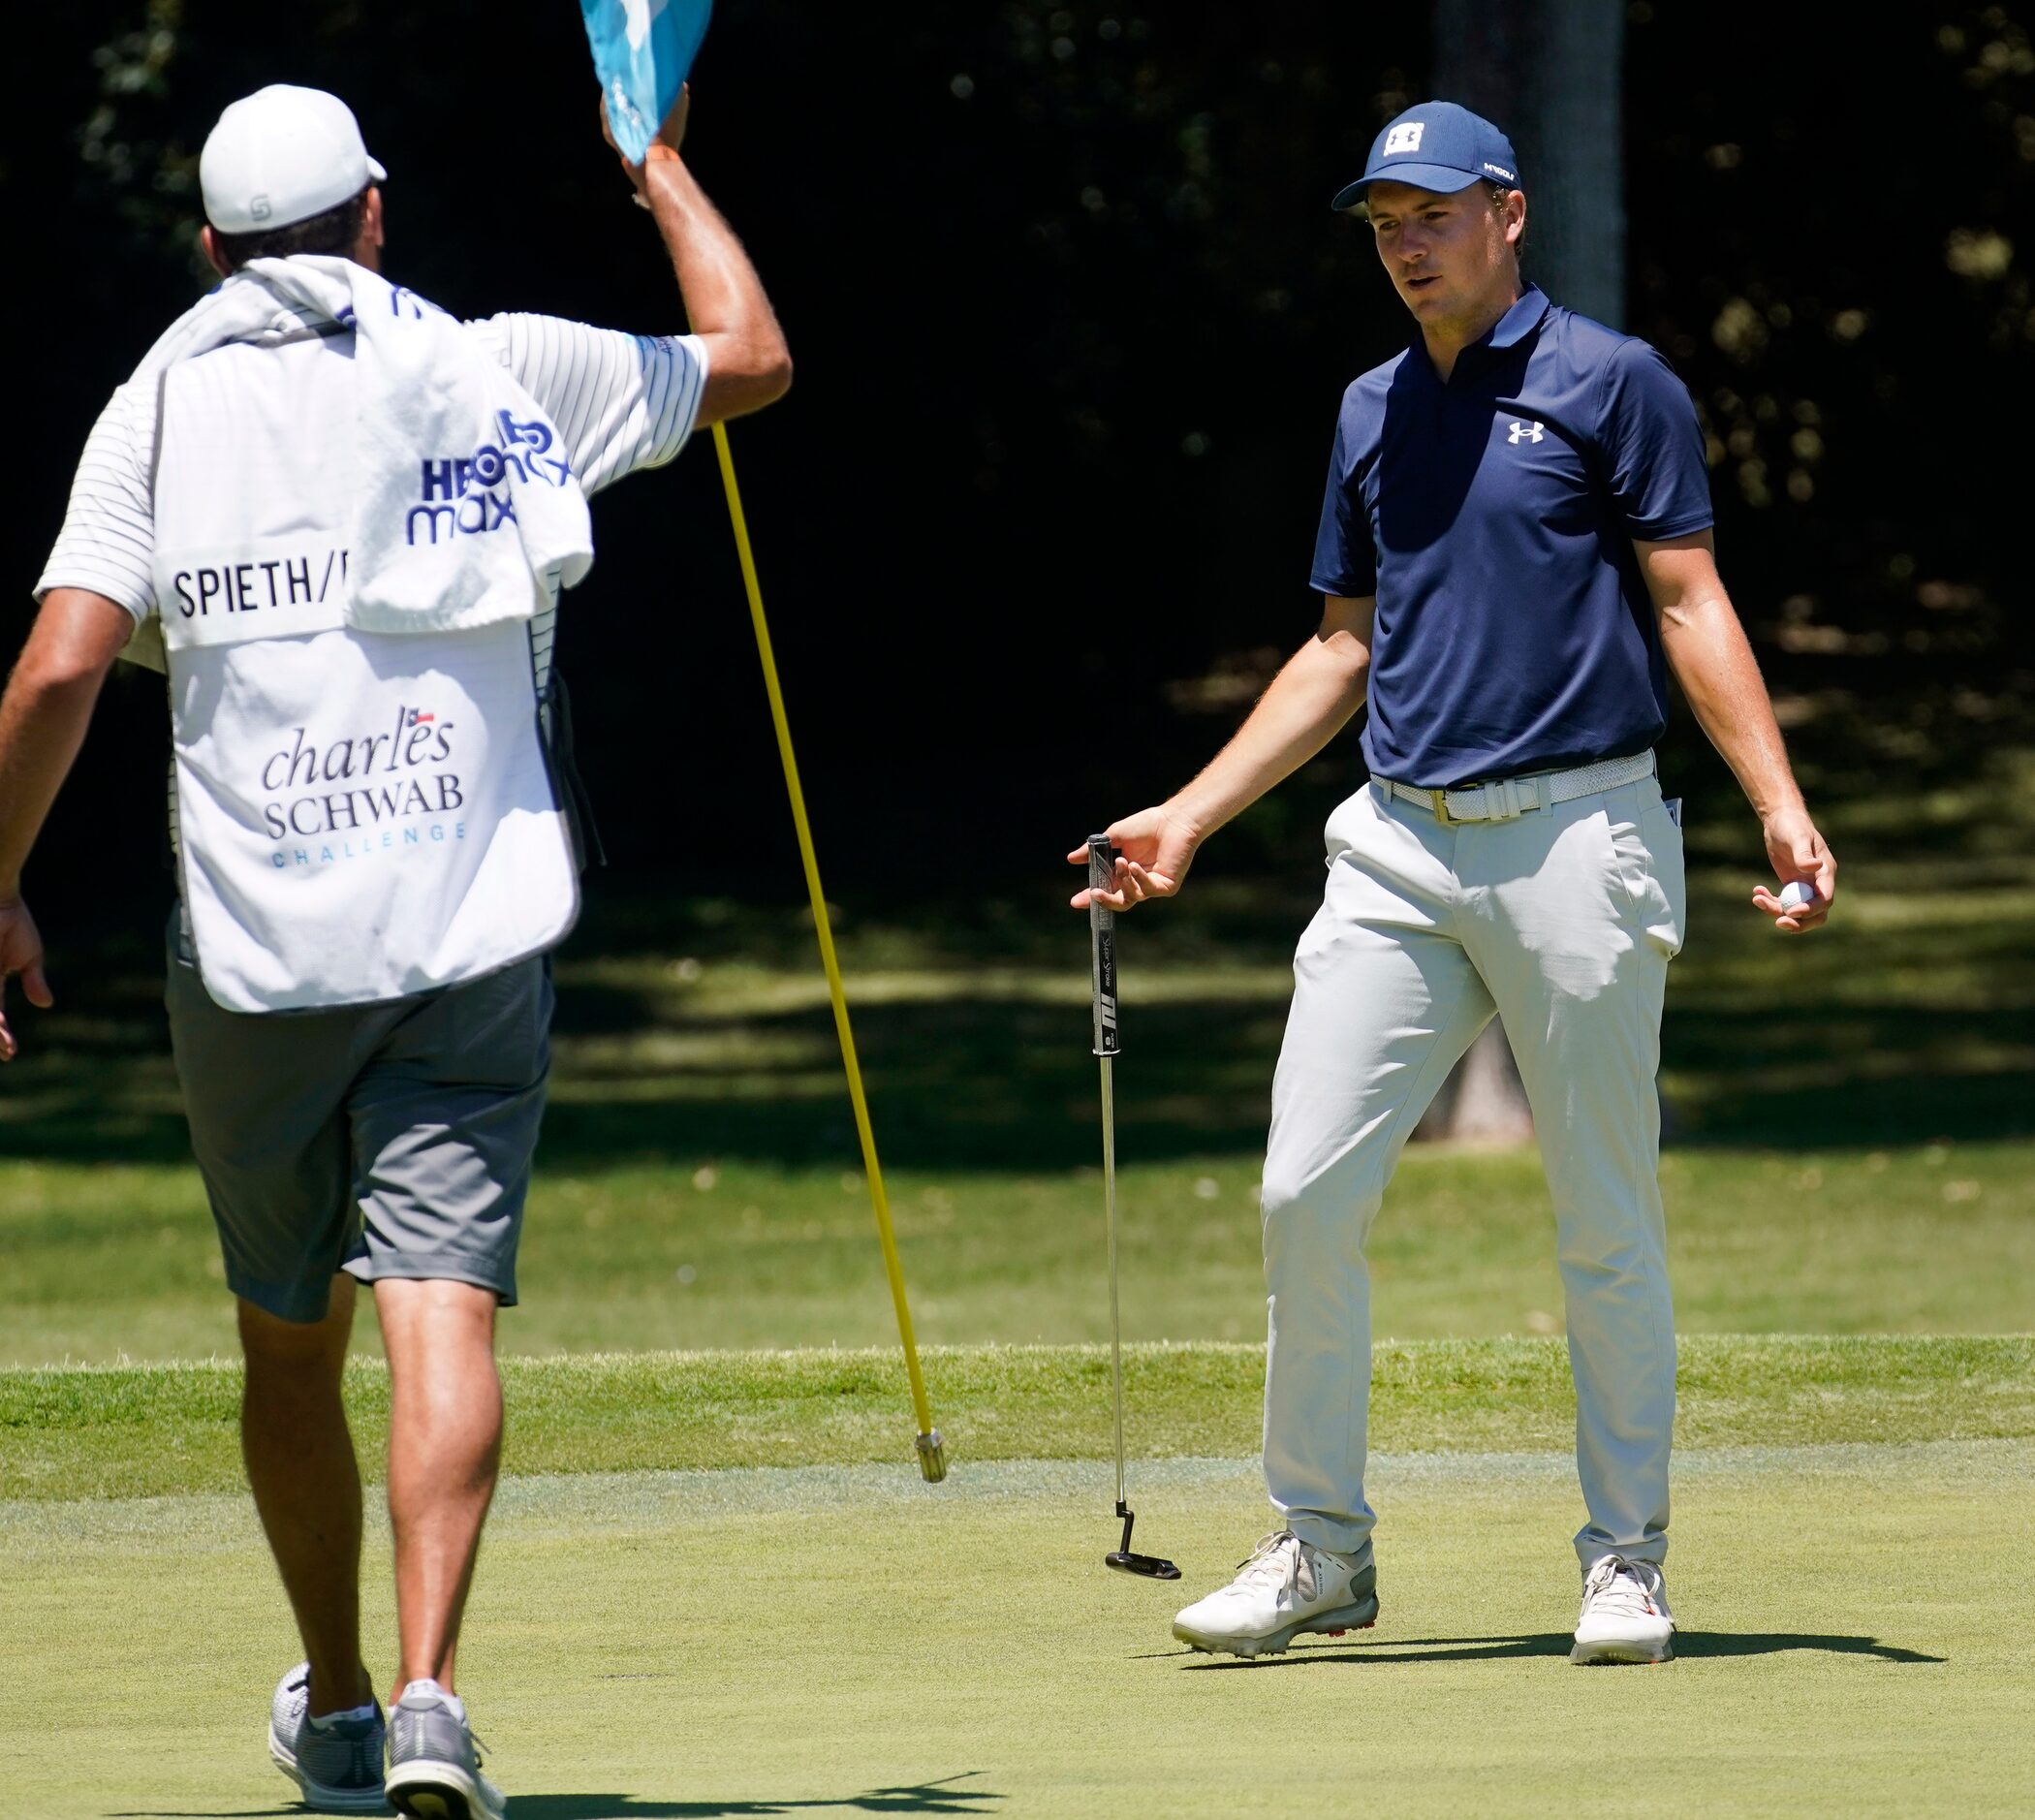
{"x":1101,"y":945}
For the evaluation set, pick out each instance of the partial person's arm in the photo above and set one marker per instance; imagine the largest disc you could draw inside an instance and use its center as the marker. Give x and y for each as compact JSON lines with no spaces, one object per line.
{"x":43,"y":720}
{"x":747,"y":362}
{"x":1309,"y":702}
{"x":1707,"y":650}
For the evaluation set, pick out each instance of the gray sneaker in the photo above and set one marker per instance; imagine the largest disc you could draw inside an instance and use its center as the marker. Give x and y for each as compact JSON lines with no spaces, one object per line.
{"x":337,"y":1768}
{"x":434,"y":1773}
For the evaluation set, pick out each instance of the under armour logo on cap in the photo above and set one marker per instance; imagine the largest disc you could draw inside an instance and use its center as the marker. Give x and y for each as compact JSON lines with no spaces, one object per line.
{"x":1436,"y":146}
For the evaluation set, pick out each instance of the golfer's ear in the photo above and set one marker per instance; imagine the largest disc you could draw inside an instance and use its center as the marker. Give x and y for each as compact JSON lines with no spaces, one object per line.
{"x":371,"y":228}
{"x":208,"y":242}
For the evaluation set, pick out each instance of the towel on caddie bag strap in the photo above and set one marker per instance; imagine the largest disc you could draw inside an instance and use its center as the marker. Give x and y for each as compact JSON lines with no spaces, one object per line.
{"x":450,"y":447}
{"x":641,"y":50}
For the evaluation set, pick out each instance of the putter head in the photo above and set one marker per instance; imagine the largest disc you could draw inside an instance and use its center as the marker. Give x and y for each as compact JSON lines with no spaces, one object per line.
{"x":1149,"y":1565}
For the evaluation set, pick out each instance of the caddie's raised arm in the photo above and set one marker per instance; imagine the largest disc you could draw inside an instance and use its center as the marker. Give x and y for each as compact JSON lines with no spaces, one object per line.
{"x":748,"y":365}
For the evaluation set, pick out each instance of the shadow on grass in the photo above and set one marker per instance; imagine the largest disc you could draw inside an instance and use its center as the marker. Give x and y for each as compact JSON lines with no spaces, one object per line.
{"x":1698,"y":1646}
{"x":970,"y":1072}
{"x":938,"y":1797}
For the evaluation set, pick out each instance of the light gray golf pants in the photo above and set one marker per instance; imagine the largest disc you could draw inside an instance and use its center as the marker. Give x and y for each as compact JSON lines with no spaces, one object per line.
{"x":1563,"y":921}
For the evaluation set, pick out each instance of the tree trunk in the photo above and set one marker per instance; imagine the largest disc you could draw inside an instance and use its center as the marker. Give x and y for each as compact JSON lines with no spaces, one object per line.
{"x":1549,"y":73}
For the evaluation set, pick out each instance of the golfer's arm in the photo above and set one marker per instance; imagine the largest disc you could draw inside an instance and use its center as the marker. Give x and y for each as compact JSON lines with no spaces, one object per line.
{"x":747,"y":362}
{"x":46,"y":711}
{"x":1707,"y":650}
{"x":1309,"y":702}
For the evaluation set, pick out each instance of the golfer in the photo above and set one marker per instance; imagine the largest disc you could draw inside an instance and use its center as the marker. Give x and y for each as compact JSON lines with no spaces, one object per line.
{"x":342,"y":518}
{"x":1514,"y":547}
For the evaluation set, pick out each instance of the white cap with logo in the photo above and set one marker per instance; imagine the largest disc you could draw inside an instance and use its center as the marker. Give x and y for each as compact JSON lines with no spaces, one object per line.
{"x":282,"y":154}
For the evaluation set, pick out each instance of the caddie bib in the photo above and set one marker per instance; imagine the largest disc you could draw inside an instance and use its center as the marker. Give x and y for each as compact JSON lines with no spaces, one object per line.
{"x":359,"y":816}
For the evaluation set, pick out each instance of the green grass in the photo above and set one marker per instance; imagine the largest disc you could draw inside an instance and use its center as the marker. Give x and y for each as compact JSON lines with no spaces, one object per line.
{"x":97,"y":1262}
{"x":151,"y":1431}
{"x":649,"y":1646}
{"x":1851,"y":1121}
{"x":714,"y":1584}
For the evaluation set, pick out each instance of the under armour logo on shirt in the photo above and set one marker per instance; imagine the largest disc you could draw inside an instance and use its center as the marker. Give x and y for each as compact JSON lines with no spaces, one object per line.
{"x":1526,"y":432}
{"x":1405,"y":139}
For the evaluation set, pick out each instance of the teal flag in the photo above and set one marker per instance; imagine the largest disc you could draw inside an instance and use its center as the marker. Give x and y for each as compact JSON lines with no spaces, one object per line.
{"x":641,"y":50}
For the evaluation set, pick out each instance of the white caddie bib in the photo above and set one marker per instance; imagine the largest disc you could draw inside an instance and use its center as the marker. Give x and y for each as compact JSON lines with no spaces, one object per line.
{"x":360,"y":816}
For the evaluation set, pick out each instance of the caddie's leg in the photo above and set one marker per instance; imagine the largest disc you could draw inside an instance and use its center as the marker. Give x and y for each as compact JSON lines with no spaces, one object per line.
{"x":1585,"y":910}
{"x":306,"y":1486}
{"x":1385,"y":1002}
{"x":445,"y":1122}
{"x":445,"y":1447}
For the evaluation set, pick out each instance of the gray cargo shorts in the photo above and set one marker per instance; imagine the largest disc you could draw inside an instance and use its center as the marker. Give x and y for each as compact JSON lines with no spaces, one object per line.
{"x":387,"y":1141}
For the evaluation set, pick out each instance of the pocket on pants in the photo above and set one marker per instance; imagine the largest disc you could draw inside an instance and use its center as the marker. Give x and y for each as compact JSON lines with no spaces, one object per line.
{"x":1343,"y":827}
{"x":1646,"y":855}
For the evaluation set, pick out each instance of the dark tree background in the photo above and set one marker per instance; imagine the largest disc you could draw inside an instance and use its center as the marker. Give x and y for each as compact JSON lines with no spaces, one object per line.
{"x":1071,"y":320}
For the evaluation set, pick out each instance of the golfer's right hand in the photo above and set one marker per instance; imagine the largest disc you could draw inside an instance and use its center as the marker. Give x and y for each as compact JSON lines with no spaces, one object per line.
{"x":20,"y":952}
{"x":1155,"y":847}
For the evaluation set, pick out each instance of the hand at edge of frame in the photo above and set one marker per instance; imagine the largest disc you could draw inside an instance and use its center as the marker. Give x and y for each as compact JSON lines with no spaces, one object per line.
{"x":670,"y":137}
{"x":20,"y":952}
{"x":1155,"y":847}
{"x":1796,"y":851}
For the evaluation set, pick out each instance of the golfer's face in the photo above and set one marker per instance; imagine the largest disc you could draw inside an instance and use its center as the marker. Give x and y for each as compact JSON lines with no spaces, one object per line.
{"x":1442,"y":251}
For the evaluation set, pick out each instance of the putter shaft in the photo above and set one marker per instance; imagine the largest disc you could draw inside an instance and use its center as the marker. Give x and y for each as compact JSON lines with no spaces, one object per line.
{"x":1108,"y":1125}
{"x":1109,"y":1045}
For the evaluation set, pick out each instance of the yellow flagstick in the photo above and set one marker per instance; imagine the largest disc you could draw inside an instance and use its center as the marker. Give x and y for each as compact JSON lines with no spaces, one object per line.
{"x":932,"y":1454}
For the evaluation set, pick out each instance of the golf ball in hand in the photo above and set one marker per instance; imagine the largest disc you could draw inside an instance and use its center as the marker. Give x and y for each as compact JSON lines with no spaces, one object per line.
{"x":1797,"y":895}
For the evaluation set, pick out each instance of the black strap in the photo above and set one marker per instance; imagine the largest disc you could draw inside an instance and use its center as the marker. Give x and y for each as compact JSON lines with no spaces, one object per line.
{"x":555,"y":720}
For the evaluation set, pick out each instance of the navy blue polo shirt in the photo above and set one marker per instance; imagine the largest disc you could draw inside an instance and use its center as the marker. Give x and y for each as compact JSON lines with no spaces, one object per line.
{"x":1492,"y":515}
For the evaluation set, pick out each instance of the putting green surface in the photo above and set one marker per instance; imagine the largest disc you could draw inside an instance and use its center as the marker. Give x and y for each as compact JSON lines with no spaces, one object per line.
{"x":1855,"y":1637}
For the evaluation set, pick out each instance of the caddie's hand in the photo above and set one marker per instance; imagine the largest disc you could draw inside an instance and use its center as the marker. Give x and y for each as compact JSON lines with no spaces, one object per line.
{"x":1796,"y":851}
{"x":20,"y":952}
{"x":670,"y":137}
{"x":1155,"y":847}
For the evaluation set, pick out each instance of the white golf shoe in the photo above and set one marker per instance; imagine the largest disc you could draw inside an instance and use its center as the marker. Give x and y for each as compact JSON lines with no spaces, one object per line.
{"x":1625,"y":1616}
{"x":1286,"y":1588}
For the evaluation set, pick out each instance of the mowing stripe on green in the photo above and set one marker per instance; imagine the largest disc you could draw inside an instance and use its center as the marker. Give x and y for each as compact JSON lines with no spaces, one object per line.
{"x":138,"y":1432}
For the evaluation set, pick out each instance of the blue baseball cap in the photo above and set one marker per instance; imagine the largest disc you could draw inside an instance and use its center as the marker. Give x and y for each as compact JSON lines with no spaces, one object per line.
{"x":1437,"y":147}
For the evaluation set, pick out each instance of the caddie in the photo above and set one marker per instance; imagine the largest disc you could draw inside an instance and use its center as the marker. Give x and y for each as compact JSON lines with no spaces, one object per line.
{"x":340,"y":521}
{"x":1514,"y":549}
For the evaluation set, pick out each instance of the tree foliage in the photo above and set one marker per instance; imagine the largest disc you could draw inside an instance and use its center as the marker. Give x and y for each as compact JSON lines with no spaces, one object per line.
{"x":1072,"y":318}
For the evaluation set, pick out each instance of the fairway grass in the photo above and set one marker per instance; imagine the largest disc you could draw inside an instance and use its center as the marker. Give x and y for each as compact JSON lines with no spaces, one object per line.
{"x":101,"y":1261}
{"x":145,"y":1431}
{"x":645,"y":1646}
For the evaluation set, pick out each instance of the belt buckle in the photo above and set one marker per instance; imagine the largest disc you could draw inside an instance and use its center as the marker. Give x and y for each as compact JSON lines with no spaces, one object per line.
{"x":1440,"y":799}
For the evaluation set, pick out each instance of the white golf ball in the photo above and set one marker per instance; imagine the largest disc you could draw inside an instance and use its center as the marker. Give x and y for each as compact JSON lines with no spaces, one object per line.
{"x":1797,"y":894}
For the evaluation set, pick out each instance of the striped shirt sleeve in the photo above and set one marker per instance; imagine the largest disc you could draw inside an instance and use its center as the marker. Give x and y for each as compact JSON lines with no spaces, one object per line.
{"x":622,"y":402}
{"x":107,"y":540}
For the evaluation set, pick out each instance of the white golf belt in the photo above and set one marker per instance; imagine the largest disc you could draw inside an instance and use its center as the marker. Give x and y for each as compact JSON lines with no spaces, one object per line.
{"x":1504,"y":798}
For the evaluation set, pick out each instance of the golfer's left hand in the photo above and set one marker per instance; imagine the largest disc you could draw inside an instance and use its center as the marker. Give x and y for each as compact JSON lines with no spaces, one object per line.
{"x":1796,"y":850}
{"x":20,"y":952}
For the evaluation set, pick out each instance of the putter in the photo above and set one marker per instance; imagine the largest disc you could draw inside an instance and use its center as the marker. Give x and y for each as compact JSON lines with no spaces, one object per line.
{"x":1102,"y":974}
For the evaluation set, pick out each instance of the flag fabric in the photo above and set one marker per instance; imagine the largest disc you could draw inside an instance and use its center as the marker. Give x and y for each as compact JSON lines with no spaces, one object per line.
{"x":641,"y":50}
